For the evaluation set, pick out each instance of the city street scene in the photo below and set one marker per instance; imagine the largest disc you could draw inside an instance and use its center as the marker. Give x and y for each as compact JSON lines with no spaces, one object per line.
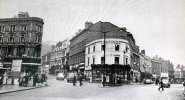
{"x":92,"y":50}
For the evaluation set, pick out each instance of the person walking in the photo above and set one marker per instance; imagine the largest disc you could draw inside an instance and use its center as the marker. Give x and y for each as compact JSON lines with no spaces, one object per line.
{"x":80,"y":80}
{"x":103,"y":80}
{"x":184,"y":86}
{"x":74,"y":80}
{"x":35,"y":79}
{"x":161,"y":85}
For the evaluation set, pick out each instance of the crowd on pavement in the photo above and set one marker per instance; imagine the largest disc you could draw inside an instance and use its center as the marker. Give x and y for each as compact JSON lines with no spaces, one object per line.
{"x":36,"y":79}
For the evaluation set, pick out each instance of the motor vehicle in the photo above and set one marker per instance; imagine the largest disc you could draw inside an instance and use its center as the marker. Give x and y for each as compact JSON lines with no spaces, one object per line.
{"x":148,"y":81}
{"x":166,"y":82}
{"x":60,"y":76}
{"x":70,"y":77}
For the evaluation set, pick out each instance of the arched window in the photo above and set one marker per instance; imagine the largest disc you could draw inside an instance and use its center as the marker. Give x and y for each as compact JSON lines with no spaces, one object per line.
{"x":1,"y":38}
{"x":11,"y":38}
{"x":21,"y":38}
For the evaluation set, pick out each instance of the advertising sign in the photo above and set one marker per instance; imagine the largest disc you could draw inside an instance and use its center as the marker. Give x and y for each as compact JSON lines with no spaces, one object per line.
{"x":16,"y":65}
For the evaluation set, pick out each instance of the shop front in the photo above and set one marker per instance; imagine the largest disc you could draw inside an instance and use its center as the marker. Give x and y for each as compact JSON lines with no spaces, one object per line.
{"x":114,"y":74}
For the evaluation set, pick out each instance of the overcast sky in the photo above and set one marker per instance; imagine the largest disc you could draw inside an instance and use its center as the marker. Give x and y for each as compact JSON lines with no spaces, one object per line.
{"x":158,"y":26}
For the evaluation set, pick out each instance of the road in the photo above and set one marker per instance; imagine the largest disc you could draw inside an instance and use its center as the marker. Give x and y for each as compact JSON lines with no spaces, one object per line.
{"x":61,"y":90}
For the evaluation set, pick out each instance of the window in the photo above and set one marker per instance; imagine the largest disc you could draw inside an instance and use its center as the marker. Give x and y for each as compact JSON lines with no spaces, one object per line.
{"x":21,"y":39}
{"x":1,"y":38}
{"x":116,"y":47}
{"x":102,"y":60}
{"x":12,"y":28}
{"x":23,"y":28}
{"x":11,"y":38}
{"x":93,"y":60}
{"x":93,"y":48}
{"x":88,"y":50}
{"x":102,"y":47}
{"x":116,"y":60}
{"x":127,"y":48}
{"x":88,"y":61}
{"x":0,"y":28}
{"x":126,"y":61}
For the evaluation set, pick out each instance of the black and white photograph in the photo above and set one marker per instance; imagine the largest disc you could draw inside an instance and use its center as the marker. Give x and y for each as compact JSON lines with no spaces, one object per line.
{"x":92,"y":49}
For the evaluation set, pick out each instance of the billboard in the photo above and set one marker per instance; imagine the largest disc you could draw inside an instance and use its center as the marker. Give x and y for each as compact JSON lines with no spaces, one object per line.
{"x":16,"y":65}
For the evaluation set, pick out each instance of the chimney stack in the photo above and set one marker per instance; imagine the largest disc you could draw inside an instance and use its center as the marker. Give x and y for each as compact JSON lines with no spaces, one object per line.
{"x":88,"y":24}
{"x":143,"y":52}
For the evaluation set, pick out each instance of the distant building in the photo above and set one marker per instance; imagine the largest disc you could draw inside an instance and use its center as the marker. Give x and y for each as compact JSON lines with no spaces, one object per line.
{"x":145,"y":66}
{"x":171,"y":70}
{"x":20,"y":43}
{"x":160,"y":67}
{"x":59,"y":57}
{"x":46,"y":62}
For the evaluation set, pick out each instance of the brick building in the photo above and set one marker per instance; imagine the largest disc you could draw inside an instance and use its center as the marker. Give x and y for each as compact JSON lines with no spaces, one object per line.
{"x":20,"y":43}
{"x":58,"y":57}
{"x":95,"y":32}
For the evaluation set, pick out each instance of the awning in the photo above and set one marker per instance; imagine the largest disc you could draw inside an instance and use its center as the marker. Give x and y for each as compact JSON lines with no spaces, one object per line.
{"x":4,"y":68}
{"x":31,"y":64}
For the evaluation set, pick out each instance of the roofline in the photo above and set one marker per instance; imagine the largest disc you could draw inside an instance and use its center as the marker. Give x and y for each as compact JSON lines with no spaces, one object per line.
{"x":21,"y":19}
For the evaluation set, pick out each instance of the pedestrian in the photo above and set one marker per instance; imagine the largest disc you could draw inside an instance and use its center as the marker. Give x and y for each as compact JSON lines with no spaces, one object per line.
{"x":156,"y":81}
{"x":80,"y":80}
{"x":44,"y":79}
{"x":74,"y":80}
{"x":26,"y":80}
{"x":39,"y":77}
{"x":184,"y":86}
{"x":35,"y":79}
{"x":161,"y":85}
{"x":103,"y":80}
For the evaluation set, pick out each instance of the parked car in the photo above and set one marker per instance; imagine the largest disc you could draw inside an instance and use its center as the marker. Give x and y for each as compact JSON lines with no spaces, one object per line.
{"x":166,"y":82}
{"x":70,"y":77}
{"x":148,"y":81}
{"x":60,"y":76}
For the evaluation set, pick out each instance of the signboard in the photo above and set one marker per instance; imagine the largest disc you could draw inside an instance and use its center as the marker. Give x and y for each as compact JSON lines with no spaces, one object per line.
{"x":164,"y":74}
{"x":16,"y":65}
{"x":13,"y":74}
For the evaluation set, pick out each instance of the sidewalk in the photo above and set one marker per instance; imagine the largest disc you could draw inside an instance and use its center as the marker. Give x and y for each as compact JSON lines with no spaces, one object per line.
{"x":15,"y":88}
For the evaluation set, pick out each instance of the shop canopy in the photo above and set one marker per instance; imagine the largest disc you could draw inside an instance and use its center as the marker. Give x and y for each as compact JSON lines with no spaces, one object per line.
{"x":113,"y":67}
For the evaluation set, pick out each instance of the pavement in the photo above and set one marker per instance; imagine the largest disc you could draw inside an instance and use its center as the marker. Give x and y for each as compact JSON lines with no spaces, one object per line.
{"x":15,"y":88}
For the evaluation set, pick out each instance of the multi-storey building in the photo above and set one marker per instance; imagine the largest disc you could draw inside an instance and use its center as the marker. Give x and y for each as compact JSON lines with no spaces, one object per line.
{"x":171,"y":70}
{"x":59,"y":57}
{"x":20,"y":43}
{"x":156,"y":65}
{"x":145,"y":65}
{"x":88,"y":47}
{"x":45,"y":62}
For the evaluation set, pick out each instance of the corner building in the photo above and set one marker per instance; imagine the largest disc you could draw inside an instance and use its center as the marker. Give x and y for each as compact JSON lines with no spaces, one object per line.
{"x":121,"y":54}
{"x":20,"y":43}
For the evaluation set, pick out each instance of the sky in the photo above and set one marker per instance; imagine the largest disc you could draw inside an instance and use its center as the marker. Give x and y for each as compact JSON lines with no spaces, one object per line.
{"x":158,"y":26}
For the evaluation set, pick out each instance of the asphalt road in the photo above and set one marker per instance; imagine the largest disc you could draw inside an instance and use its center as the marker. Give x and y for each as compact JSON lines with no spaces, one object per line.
{"x":61,"y":90}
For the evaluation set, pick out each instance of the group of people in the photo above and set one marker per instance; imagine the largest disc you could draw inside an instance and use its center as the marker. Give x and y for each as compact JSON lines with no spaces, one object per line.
{"x":75,"y":80}
{"x":37,"y":78}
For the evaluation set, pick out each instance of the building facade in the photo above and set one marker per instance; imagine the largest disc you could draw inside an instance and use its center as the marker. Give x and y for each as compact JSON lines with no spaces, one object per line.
{"x":20,"y":43}
{"x":156,"y":65}
{"x":87,"y":49}
{"x":145,"y":66}
{"x":45,"y":62}
{"x":59,"y":57}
